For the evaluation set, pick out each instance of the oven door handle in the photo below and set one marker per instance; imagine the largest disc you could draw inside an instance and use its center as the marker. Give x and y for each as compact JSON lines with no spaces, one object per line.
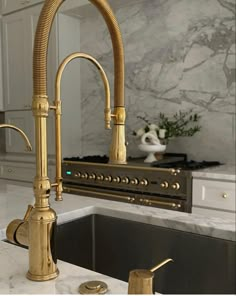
{"x":169,"y":204}
{"x":126,"y":198}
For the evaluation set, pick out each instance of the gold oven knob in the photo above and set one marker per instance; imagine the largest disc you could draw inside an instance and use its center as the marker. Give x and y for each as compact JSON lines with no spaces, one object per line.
{"x":165,"y":185}
{"x":134,"y":181}
{"x":92,"y":176}
{"x":84,"y":176}
{"x":116,"y":180}
{"x":108,"y":178}
{"x":176,"y":186}
{"x":78,"y":174}
{"x":125,"y":180}
{"x":100,"y":177}
{"x":144,"y":182}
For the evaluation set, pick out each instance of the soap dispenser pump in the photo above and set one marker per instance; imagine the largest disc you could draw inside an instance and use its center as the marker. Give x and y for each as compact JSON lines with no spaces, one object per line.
{"x":141,"y":280}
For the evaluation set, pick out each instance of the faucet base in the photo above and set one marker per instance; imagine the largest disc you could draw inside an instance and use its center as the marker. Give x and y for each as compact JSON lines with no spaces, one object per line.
{"x":41,"y":278}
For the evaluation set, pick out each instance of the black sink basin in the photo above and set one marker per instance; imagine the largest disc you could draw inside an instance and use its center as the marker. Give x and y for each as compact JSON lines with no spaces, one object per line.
{"x":112,"y":246}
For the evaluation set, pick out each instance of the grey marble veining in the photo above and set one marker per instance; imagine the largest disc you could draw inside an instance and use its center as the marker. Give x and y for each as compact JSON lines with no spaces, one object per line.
{"x":179,"y":54}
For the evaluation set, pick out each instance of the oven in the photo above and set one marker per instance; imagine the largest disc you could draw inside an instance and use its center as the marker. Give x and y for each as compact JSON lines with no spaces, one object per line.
{"x":135,"y":182}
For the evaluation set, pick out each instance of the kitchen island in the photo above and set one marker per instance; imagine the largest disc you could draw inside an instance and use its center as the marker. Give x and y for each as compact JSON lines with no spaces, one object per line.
{"x":14,"y":198}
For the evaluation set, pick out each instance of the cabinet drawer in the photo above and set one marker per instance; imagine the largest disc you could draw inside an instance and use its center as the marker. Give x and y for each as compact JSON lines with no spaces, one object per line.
{"x":18,"y":172}
{"x":214,"y":194}
{"x":13,"y":5}
{"x":23,"y":172}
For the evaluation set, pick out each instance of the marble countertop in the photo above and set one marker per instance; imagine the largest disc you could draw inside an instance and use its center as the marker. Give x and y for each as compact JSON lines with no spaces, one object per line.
{"x":224,"y":172}
{"x":14,"y":265}
{"x":14,"y":198}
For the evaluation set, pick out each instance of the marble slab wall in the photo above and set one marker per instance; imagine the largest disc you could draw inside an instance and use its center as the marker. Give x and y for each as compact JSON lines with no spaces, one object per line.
{"x":2,"y":134}
{"x":179,"y":54}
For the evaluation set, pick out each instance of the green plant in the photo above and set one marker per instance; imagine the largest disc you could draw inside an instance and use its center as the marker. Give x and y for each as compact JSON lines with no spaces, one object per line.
{"x":181,"y":124}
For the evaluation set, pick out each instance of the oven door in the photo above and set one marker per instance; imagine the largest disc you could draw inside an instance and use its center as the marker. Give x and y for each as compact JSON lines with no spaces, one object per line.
{"x":153,"y":200}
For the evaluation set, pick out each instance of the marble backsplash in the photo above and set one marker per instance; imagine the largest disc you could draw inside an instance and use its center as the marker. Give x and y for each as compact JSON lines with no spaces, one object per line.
{"x":179,"y":54}
{"x":2,"y":134}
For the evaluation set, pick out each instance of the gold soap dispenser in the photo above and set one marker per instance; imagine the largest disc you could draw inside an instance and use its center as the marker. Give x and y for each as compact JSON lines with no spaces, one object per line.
{"x":141,"y":280}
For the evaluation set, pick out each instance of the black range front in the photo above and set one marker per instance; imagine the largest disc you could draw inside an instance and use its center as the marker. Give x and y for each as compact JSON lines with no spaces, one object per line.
{"x":135,"y":183}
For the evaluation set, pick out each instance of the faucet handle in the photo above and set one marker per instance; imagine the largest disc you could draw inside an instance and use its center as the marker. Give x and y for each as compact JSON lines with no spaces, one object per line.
{"x":27,"y":214}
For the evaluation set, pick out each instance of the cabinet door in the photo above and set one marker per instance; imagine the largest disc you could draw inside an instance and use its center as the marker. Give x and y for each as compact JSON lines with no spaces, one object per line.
{"x":214,"y":194}
{"x":13,"y":5}
{"x":25,"y":121}
{"x":14,"y":61}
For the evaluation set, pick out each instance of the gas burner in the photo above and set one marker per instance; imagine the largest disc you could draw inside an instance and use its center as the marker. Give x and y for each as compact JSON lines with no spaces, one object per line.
{"x":90,"y":158}
{"x":186,"y":165}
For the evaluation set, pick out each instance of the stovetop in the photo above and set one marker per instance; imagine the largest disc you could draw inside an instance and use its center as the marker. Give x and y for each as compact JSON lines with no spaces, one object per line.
{"x":170,"y":160}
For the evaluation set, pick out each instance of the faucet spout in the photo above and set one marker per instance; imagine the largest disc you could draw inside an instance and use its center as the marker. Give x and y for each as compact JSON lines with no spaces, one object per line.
{"x":57,"y":108}
{"x":27,"y":142}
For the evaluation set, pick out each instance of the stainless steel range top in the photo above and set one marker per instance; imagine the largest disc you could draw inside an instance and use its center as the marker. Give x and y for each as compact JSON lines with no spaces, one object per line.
{"x":136,"y":182}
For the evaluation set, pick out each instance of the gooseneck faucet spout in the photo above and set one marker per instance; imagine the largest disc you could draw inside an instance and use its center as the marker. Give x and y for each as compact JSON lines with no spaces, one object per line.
{"x":27,"y":142}
{"x":39,"y":223}
{"x":57,"y":108}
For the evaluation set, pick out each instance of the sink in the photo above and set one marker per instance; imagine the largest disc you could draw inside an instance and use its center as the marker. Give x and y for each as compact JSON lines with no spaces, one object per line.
{"x":113,"y":246}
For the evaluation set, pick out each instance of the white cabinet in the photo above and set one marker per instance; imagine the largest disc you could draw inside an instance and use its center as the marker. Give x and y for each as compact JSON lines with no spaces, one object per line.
{"x":214,"y":198}
{"x":13,"y":5}
{"x":25,"y":121}
{"x":18,"y":36}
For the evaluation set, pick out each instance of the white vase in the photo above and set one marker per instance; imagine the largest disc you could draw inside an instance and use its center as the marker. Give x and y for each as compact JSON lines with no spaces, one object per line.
{"x":151,"y":150}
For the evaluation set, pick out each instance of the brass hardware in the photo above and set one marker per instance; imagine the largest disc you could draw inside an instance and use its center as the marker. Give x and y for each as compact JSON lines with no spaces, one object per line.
{"x":131,"y":199}
{"x":134,"y":181}
{"x":71,"y":189}
{"x":165,"y":185}
{"x":78,"y":174}
{"x":145,"y":201}
{"x":144,"y":182}
{"x":141,"y":280}
{"x":84,"y":176}
{"x":17,"y":230}
{"x":42,"y":219}
{"x":116,"y":179}
{"x":125,"y":180}
{"x":93,"y":287}
{"x":27,"y":142}
{"x":92,"y":176}
{"x":117,"y":153}
{"x":176,"y":186}
{"x":175,"y":172}
{"x":155,"y":268}
{"x":108,"y":178}
{"x":100,"y":177}
{"x":224,"y":195}
{"x":160,"y":203}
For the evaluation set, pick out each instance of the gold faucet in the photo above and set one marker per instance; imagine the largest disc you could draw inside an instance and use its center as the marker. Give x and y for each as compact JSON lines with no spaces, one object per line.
{"x":37,"y":229}
{"x":27,"y":142}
